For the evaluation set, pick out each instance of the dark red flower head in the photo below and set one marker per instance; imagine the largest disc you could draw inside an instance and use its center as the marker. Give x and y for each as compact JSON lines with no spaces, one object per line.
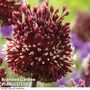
{"x":2,"y":73}
{"x":1,"y":60}
{"x":2,"y":76}
{"x":6,"y":8}
{"x":41,"y":47}
{"x":82,"y":25}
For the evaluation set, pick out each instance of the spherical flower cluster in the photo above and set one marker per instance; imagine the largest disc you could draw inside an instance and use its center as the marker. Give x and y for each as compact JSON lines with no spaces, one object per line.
{"x":82,"y":26}
{"x":6,"y":8}
{"x":41,"y":47}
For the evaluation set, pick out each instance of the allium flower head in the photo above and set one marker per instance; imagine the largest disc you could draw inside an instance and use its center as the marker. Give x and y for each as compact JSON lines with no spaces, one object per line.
{"x":82,"y":25}
{"x":41,"y":47}
{"x":6,"y":8}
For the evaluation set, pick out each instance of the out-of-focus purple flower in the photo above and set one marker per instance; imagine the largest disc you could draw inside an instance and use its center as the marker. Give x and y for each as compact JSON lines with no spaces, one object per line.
{"x":83,"y":47}
{"x":81,"y":35}
{"x":64,"y":81}
{"x":82,"y":25}
{"x":86,"y":71}
{"x":85,"y":50}
{"x":78,"y":44}
{"x":81,"y":83}
{"x":75,"y":75}
{"x":6,"y":30}
{"x":71,"y":82}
